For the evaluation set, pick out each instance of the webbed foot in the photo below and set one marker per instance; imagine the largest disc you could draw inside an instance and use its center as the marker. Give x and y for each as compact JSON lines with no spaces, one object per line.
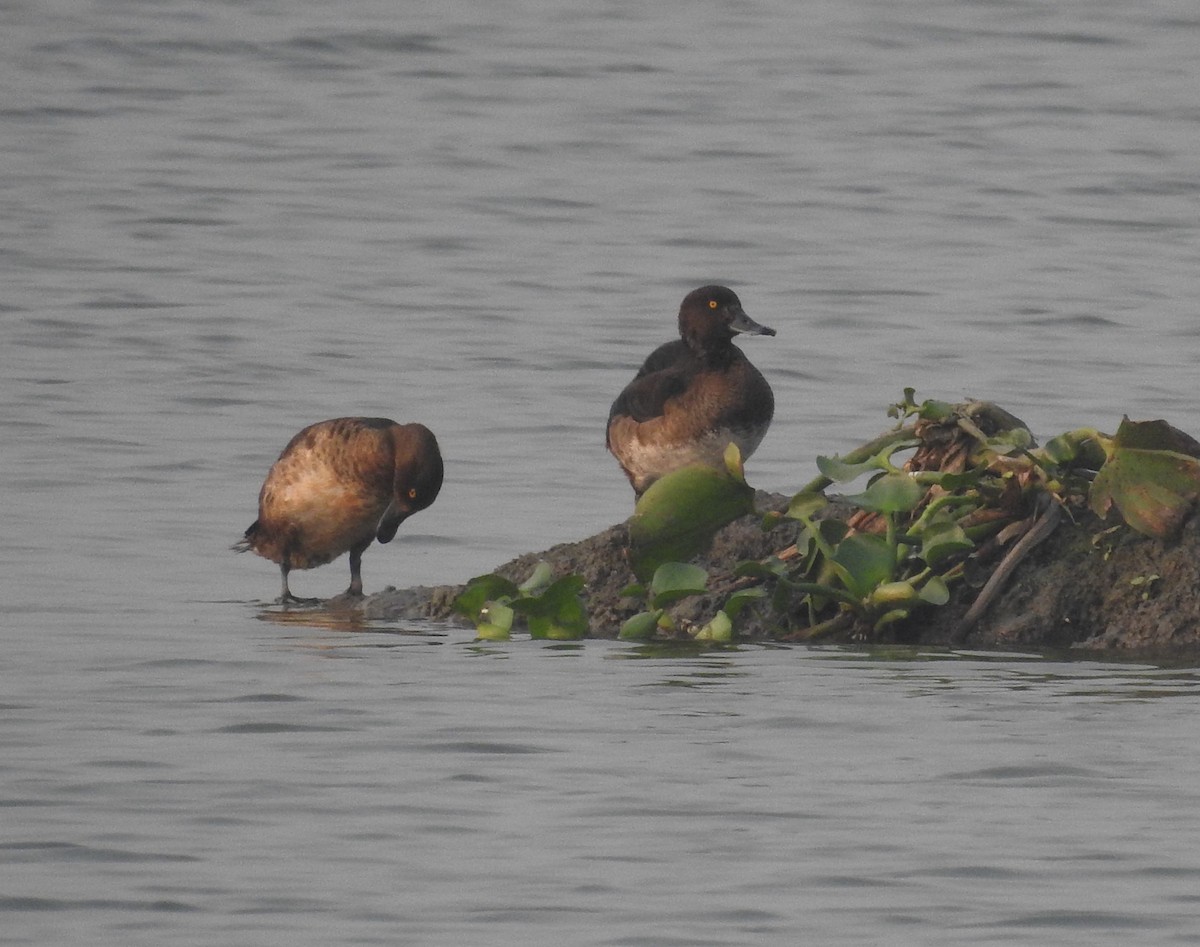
{"x":290,"y":599}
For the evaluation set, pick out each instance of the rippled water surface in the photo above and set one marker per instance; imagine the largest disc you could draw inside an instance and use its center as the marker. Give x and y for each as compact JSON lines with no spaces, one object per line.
{"x":221,"y":222}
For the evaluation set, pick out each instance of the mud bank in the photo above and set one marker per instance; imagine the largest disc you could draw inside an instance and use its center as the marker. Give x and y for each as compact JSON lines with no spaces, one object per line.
{"x":1090,"y":587}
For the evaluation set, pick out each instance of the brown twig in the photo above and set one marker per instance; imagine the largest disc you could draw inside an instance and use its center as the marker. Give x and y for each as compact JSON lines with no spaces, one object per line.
{"x":1039,"y":526}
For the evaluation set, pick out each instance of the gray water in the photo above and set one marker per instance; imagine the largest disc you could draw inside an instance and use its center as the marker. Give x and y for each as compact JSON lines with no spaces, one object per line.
{"x":220,"y":222}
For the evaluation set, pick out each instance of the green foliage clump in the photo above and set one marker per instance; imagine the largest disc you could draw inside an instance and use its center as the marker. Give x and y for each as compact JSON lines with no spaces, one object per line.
{"x":919,"y":523}
{"x":551,"y":608}
{"x":673,"y":581}
{"x":950,"y":483}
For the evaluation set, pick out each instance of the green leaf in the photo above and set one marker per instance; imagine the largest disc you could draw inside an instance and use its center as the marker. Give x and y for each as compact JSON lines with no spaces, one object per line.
{"x":770,"y":520}
{"x":1082,"y":448}
{"x":828,"y":533}
{"x":895,"y":492}
{"x":640,"y":627}
{"x":677,"y":517}
{"x":558,"y":613}
{"x":741,"y":598}
{"x":947,"y":479}
{"x":1153,"y":487}
{"x":1011,"y":441}
{"x":935,"y":591}
{"x":563,"y":602}
{"x":863,"y":561}
{"x":480,"y":590}
{"x":770,"y":568}
{"x":676,"y":580}
{"x":538,"y":579}
{"x":553,"y":597}
{"x":720,"y":629}
{"x":888,"y":618}
{"x":893,"y":593}
{"x":839,"y":471}
{"x":733,"y":462}
{"x":498,"y":614}
{"x":818,"y":538}
{"x":876,"y":451}
{"x":942,"y":540}
{"x":1060,"y":449}
{"x":806,"y":505}
{"x":933,"y":410}
{"x":1154,"y":491}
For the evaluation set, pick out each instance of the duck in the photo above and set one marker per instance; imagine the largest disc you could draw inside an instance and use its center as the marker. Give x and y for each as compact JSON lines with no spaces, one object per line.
{"x":694,"y":395}
{"x":337,"y":486}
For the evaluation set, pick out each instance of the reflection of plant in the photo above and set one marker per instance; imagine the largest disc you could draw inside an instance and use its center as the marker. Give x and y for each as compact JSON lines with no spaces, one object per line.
{"x":552,"y":608}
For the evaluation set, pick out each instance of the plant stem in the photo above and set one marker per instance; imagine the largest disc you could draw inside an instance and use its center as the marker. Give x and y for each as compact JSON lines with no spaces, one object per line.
{"x":863,"y":453}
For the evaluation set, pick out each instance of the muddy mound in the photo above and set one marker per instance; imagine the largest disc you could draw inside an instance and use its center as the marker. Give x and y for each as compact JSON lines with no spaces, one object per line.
{"x":1089,"y":587}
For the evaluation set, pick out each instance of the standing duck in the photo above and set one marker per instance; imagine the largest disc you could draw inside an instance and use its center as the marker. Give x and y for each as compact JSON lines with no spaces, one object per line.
{"x":692,"y":397}
{"x":337,"y":486}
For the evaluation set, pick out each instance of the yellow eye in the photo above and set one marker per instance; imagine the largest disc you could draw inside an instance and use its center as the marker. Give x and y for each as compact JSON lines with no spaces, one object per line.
{"x":412,"y":493}
{"x":712,"y":304}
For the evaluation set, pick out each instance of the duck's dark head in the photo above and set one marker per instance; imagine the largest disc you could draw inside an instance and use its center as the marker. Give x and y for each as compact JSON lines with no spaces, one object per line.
{"x":712,"y":315}
{"x":417,"y":478}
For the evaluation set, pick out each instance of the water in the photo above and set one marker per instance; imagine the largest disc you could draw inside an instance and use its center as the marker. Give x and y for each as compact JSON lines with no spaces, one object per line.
{"x":383,"y":788}
{"x":220,"y":223}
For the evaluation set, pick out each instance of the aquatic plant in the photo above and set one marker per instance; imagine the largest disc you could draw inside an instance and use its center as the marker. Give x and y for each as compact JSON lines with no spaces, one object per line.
{"x":954,"y":490}
{"x":551,"y":608}
{"x":678,"y":516}
{"x":975,"y":483}
{"x":1151,"y":476}
{"x":672,"y":582}
{"x":913,"y":526}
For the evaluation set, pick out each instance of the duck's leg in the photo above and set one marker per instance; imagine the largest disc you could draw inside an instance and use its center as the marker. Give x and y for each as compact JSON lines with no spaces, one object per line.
{"x":286,"y":597}
{"x":356,"y":588}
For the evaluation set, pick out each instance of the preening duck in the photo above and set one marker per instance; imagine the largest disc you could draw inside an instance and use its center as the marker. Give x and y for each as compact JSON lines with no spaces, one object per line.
{"x":339,"y":485}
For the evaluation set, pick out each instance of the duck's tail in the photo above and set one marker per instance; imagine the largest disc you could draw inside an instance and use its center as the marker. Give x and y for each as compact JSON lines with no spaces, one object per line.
{"x":250,"y":539}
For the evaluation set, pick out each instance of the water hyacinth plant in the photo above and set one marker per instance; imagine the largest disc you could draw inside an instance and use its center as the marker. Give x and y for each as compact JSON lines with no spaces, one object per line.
{"x":551,"y":608}
{"x":678,"y":516}
{"x":949,"y":491}
{"x":976,"y":481}
{"x":672,"y":582}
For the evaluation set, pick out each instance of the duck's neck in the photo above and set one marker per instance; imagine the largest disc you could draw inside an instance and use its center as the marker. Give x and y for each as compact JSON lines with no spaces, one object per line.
{"x":714,"y":352}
